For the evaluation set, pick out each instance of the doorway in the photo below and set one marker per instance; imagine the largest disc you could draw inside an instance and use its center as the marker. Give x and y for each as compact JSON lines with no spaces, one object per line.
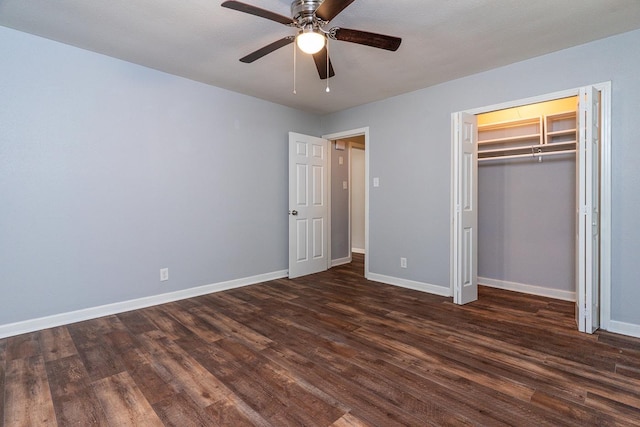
{"x":357,"y":139}
{"x":595,"y":167}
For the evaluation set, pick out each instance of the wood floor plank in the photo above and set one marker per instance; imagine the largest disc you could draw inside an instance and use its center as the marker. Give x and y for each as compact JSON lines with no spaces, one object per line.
{"x":578,"y":414}
{"x":180,"y":411}
{"x":56,"y":343}
{"x":89,"y":333}
{"x":67,"y":376}
{"x":233,"y":411}
{"x":74,"y":401}
{"x":230,"y":327}
{"x":628,"y":371}
{"x":365,"y":404}
{"x":27,"y":400}
{"x":451,"y":389}
{"x":154,"y":388}
{"x":23,"y":346}
{"x":237,"y":365}
{"x":164,"y":322}
{"x":623,"y":414}
{"x":416,"y":396}
{"x":82,"y":408}
{"x":123,"y":403}
{"x":178,"y":368}
{"x":196,"y":324}
{"x":101,"y":361}
{"x":223,"y":302}
{"x":136,"y":322}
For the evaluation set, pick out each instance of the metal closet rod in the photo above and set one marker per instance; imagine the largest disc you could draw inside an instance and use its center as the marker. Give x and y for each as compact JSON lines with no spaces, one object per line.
{"x":530,"y":155}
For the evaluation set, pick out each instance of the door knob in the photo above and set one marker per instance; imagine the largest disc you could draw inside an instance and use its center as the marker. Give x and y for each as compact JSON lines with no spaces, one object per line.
{"x":294,"y":212}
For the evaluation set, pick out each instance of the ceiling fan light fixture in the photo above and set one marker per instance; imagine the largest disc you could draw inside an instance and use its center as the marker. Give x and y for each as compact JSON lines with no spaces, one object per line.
{"x":310,"y":41}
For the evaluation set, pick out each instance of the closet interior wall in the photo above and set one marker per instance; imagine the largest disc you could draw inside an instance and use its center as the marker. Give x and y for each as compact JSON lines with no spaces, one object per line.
{"x":526,"y":201}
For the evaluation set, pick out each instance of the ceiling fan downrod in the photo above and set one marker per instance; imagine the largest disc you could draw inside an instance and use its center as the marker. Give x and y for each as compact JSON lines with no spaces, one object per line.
{"x":303,"y":13}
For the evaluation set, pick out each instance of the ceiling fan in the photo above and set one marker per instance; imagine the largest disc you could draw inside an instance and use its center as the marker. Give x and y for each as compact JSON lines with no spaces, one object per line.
{"x":310,"y":17}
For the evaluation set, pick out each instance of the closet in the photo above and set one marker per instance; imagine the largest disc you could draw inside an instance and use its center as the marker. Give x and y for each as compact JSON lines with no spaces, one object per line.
{"x":527,"y":198}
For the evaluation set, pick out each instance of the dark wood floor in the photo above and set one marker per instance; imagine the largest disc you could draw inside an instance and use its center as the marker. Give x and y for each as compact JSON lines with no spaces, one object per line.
{"x":326,"y":350}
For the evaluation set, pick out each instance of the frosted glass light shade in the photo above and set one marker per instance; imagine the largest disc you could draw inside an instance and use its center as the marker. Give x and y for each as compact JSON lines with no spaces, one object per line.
{"x":310,"y":42}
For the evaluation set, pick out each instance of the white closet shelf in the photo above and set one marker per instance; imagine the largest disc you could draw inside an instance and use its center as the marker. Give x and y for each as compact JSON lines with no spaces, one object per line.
{"x":509,"y":123}
{"x":530,"y":155}
{"x":562,"y":132}
{"x":509,"y":139}
{"x":532,"y":151}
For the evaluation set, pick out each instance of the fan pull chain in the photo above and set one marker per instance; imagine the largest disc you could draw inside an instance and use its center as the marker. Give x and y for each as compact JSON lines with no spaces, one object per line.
{"x":294,"y":67}
{"x":327,"y":89}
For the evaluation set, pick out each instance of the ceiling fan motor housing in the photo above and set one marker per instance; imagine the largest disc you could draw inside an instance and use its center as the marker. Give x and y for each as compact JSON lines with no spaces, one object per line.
{"x":303,"y":12}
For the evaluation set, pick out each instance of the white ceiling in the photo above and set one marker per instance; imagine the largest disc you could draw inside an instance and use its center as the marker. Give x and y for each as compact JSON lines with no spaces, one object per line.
{"x":442,"y":40}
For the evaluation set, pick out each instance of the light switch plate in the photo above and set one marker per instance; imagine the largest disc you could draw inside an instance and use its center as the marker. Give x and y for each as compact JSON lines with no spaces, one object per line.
{"x":376,"y":182}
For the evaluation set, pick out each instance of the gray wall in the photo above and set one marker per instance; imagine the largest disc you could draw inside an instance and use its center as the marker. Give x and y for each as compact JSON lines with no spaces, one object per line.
{"x":110,"y":171}
{"x":410,"y":153}
{"x":526,"y":221}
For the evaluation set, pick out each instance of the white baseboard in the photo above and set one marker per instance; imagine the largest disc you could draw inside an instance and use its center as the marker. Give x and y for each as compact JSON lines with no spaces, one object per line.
{"x":528,"y":289}
{"x":340,"y":261}
{"x":444,"y":291}
{"x":623,"y":328}
{"x":357,"y":251}
{"x":32,"y":325}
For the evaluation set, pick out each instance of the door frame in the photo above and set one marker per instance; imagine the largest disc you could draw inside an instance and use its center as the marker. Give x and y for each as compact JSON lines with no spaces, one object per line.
{"x":344,"y":135}
{"x":605,"y":182}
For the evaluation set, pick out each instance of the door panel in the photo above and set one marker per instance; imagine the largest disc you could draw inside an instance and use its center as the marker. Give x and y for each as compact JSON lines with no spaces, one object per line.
{"x":318,"y":232}
{"x":588,"y":170}
{"x":308,"y":205}
{"x":465,"y":220}
{"x":301,"y":234}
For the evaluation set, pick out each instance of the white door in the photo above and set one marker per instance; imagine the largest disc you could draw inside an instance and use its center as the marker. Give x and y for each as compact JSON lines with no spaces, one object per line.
{"x":464,"y":249}
{"x":308,"y":204}
{"x":588,"y":207}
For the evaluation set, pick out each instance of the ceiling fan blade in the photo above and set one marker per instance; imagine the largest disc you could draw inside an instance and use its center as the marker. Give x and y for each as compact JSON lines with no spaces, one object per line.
{"x":267,"y":49}
{"x":369,"y":39}
{"x":320,"y":59}
{"x":247,"y":8}
{"x":329,"y":9}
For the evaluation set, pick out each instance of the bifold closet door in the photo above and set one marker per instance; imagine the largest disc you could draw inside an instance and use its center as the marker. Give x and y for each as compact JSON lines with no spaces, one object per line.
{"x":464,"y":255}
{"x":588,"y":211}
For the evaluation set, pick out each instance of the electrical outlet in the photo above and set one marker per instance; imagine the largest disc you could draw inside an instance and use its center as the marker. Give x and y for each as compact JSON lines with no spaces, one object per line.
{"x":164,"y":274}
{"x":403,"y":262}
